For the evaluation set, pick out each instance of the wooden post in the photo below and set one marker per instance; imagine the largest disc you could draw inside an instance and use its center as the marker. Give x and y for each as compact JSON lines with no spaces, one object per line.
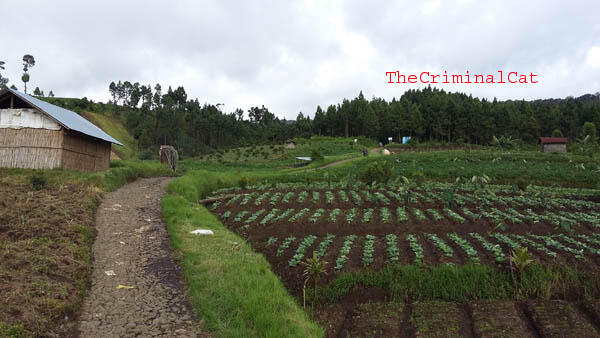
{"x":12,"y":101}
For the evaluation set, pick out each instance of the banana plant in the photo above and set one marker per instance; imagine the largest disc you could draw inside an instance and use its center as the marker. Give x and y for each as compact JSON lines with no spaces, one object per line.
{"x":521,"y":258}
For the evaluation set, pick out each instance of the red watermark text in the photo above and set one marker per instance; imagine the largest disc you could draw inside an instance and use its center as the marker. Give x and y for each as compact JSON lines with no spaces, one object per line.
{"x":466,"y":78}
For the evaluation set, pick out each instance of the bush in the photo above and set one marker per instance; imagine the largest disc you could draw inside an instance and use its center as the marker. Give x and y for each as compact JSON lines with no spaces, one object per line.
{"x":521,"y":183}
{"x":316,"y":155}
{"x":506,"y":142}
{"x":243,"y":182}
{"x":147,"y":154}
{"x":418,"y":177}
{"x":557,"y":133}
{"x":38,"y":180}
{"x":379,"y":171}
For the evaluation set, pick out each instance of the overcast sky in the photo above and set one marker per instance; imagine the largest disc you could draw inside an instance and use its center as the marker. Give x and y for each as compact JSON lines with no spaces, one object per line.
{"x":294,"y":55}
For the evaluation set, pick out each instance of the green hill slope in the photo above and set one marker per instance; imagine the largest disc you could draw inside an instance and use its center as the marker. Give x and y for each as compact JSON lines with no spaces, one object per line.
{"x":115,"y":128}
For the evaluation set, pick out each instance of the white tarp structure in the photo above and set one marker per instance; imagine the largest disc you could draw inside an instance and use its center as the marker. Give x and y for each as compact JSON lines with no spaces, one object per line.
{"x":26,"y":118}
{"x":202,"y":232}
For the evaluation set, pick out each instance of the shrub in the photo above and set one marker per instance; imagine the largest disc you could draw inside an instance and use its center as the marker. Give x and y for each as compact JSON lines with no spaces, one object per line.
{"x":506,"y":142}
{"x":378,"y":171}
{"x":243,"y":182}
{"x":38,"y":180}
{"x":316,"y":155}
{"x":521,"y":183}
{"x":147,"y":154}
{"x":418,"y":177}
{"x":557,"y":133}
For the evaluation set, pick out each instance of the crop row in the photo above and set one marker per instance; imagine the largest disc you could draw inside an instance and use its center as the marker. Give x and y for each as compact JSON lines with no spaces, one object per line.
{"x":427,"y":188}
{"x":554,"y":246}
{"x":389,"y":197}
{"x":496,"y":216}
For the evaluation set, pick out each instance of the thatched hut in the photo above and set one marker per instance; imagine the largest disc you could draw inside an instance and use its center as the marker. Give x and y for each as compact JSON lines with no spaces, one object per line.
{"x":37,"y":134}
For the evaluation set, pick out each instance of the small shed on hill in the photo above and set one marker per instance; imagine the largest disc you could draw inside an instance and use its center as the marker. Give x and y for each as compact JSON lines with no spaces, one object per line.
{"x":554,"y":144}
{"x":37,"y":134}
{"x":289,"y":144}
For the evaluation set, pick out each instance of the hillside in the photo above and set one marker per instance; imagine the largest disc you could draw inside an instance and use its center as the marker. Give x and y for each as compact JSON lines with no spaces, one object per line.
{"x":115,"y":128}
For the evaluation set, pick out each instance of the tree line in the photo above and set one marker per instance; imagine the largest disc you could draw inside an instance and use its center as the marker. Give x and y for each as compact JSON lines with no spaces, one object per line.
{"x":428,"y":114}
{"x":156,"y":117}
{"x":431,"y":114}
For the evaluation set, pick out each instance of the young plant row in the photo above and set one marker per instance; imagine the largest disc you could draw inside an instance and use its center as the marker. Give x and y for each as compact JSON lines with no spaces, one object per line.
{"x":450,"y":245}
{"x":503,"y":219}
{"x":385,"y":196}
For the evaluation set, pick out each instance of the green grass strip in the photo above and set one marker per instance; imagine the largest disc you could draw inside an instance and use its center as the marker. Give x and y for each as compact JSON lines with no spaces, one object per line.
{"x":231,"y":288}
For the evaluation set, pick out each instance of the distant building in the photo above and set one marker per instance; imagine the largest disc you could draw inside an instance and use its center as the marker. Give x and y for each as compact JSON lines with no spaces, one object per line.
{"x":554,"y":144}
{"x":290,"y":144}
{"x":39,"y":135}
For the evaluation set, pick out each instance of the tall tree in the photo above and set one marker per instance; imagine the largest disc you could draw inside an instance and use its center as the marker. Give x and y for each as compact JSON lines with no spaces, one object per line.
{"x":28,"y":62}
{"x":112,"y":88}
{"x":3,"y":80}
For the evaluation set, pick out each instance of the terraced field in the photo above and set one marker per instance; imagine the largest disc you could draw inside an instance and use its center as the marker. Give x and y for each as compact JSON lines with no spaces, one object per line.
{"x":360,"y":229}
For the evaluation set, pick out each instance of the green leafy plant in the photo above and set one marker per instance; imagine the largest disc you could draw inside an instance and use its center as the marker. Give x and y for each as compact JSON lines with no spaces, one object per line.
{"x":480,"y":182}
{"x":243,"y":182}
{"x":378,"y":171}
{"x":505,"y":142}
{"x":314,"y":269}
{"x":38,"y":180}
{"x":368,"y":250}
{"x":520,"y":258}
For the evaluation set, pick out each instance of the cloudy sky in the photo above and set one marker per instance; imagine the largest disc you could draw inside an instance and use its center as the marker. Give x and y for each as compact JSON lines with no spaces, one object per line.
{"x":294,"y":55}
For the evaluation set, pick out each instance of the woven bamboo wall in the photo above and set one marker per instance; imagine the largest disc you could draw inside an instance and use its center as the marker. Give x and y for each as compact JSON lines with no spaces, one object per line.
{"x":30,"y":148}
{"x":81,"y":152}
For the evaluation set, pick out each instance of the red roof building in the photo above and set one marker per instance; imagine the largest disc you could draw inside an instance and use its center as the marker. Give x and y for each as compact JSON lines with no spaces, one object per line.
{"x":554,"y":144}
{"x":554,"y":140}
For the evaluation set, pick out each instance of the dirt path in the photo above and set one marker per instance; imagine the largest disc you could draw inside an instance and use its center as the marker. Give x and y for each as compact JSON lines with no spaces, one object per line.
{"x":137,"y":289}
{"x":336,"y":163}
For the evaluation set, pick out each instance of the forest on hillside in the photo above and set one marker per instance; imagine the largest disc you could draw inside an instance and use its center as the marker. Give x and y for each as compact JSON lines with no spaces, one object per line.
{"x":159,"y":117}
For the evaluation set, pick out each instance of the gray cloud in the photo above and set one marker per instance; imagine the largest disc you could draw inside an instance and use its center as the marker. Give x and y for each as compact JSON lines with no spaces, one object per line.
{"x":293,"y":56}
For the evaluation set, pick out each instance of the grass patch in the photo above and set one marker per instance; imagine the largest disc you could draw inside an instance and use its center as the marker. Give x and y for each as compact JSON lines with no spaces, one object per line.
{"x":408,"y":283}
{"x":231,"y":288}
{"x":115,"y":128}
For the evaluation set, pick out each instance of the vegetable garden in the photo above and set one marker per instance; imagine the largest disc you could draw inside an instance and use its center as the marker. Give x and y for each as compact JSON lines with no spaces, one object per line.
{"x":367,"y":230}
{"x":437,"y":223}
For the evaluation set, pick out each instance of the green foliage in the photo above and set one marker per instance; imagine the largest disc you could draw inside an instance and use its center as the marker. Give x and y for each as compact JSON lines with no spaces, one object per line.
{"x":314,"y":269}
{"x":378,"y":171}
{"x":38,"y":180}
{"x":505,"y":142}
{"x":589,"y":141}
{"x":147,"y":154}
{"x":404,"y":283}
{"x":418,"y":177}
{"x":243,"y":182}
{"x":521,"y":183}
{"x":316,"y":155}
{"x":521,"y":258}
{"x":11,"y":331}
{"x":234,"y":300}
{"x":589,"y":128}
{"x":557,"y":133}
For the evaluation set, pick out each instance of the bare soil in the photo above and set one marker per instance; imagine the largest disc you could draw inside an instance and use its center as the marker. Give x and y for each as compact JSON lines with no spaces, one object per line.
{"x":45,"y":256}
{"x":137,"y":288}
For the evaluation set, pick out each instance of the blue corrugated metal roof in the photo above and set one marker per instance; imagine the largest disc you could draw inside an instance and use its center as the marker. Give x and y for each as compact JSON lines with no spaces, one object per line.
{"x":68,"y":119}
